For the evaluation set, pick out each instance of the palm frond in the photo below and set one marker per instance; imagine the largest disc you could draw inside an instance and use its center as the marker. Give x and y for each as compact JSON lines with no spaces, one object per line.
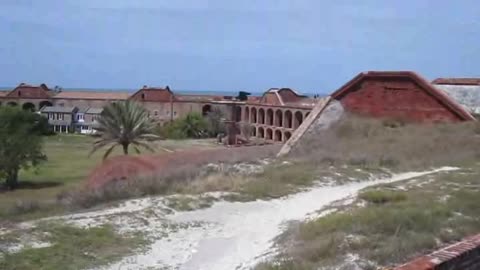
{"x":124,"y":123}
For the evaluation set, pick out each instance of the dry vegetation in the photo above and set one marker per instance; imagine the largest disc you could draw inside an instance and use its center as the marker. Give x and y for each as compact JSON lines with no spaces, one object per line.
{"x":388,"y":224}
{"x":398,"y":222}
{"x":393,"y":144}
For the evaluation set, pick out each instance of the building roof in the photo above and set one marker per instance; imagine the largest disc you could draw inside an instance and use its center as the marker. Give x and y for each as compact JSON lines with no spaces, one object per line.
{"x":67,"y":94}
{"x":466,"y":95}
{"x":24,"y":90}
{"x":424,"y":84}
{"x":457,"y":81}
{"x":198,"y":98}
{"x":153,"y":94}
{"x":94,"y":110}
{"x":58,"y":109}
{"x":283,"y":97}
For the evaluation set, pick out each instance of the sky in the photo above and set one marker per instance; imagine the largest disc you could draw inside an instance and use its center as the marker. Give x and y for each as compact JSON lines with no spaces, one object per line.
{"x":314,"y":46}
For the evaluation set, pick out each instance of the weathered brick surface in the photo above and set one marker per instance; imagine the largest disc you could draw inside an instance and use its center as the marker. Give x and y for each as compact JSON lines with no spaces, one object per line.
{"x":403,"y":95}
{"x":464,"y":255}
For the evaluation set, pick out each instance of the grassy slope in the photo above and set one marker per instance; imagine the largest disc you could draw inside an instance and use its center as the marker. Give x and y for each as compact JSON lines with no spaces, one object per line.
{"x":398,"y":222}
{"x":72,"y":248}
{"x":67,"y":166}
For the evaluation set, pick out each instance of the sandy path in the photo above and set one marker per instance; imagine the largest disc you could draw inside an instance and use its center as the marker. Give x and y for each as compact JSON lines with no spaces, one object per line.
{"x":236,"y":235}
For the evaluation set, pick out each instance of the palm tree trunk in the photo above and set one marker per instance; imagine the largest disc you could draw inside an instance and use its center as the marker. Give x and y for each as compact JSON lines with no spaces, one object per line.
{"x":125,"y":149}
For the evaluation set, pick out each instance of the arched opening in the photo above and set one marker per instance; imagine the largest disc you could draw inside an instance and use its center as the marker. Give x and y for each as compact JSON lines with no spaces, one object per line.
{"x":206,"y":109}
{"x":28,"y":106}
{"x":279,"y":118}
{"x":278,"y":136}
{"x":298,"y":119}
{"x":247,"y":115}
{"x":238,"y":114}
{"x":288,"y":119}
{"x":261,"y":132}
{"x":12,"y":103}
{"x":254,"y":115}
{"x":269,"y":134}
{"x":254,"y":132}
{"x":270,"y":117}
{"x":287,"y":136}
{"x":261,"y":116}
{"x":45,"y":104}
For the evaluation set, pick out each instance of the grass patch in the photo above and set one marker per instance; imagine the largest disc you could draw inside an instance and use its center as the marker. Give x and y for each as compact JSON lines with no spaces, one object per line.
{"x":382,"y":196}
{"x":67,"y":167}
{"x":367,"y":142}
{"x":73,"y":248}
{"x":189,"y":203}
{"x":393,"y":228}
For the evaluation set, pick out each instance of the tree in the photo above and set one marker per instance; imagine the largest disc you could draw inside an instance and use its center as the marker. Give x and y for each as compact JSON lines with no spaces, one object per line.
{"x":123,"y":124}
{"x":21,"y":142}
{"x":246,"y":129}
{"x":215,"y":119}
{"x":194,"y":125}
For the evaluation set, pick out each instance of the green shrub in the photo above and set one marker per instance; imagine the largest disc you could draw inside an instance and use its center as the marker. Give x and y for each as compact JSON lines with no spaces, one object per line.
{"x":382,"y":196}
{"x":194,"y":125}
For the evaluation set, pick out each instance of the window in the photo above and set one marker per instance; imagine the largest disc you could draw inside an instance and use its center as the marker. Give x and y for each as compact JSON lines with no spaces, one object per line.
{"x":19,"y":93}
{"x":155,"y":113}
{"x":80,"y":116}
{"x":143,"y":96}
{"x":174,"y":113}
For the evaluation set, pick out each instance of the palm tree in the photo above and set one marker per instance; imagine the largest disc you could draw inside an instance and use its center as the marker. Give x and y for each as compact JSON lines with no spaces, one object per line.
{"x":124,"y":123}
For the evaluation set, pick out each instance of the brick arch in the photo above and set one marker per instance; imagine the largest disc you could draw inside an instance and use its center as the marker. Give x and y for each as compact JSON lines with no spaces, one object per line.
{"x":28,"y":106}
{"x":12,"y":103}
{"x":269,"y":117}
{"x":286,"y":136}
{"x":44,"y":103}
{"x":207,"y":108}
{"x":247,"y":115}
{"x":254,"y":115}
{"x":269,"y":134}
{"x":297,"y":119}
{"x":261,"y":132}
{"x":261,"y":116}
{"x":279,"y":118}
{"x":277,"y":136}
{"x":288,"y":119}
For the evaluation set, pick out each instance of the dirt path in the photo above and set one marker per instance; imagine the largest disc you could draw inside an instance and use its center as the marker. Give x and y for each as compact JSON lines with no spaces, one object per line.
{"x":230,"y":235}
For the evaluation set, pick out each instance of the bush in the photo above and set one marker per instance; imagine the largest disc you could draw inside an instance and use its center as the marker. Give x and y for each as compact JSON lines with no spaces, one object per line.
{"x":215,"y":120}
{"x":194,"y":125}
{"x":382,"y":196}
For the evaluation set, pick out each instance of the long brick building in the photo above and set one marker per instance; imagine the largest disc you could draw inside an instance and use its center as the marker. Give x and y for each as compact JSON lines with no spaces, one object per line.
{"x":274,"y":115}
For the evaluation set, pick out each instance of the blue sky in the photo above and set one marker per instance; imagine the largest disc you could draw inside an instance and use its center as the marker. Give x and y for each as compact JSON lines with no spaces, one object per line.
{"x":310,"y":45}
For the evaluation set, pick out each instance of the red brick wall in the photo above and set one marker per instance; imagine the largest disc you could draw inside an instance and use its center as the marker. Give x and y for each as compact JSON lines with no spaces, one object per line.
{"x":464,"y":255}
{"x":288,"y":95}
{"x":395,"y":98}
{"x":270,"y":98}
{"x":28,"y":92}
{"x":153,"y":94}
